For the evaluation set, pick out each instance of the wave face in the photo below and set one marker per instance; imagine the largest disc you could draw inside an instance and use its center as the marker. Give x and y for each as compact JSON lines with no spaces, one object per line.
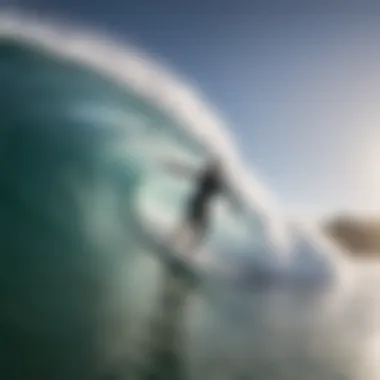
{"x":86,"y":129}
{"x":140,"y":118}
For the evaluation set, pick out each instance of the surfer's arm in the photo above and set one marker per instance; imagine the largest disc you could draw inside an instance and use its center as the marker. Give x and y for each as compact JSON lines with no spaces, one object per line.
{"x":179,"y":169}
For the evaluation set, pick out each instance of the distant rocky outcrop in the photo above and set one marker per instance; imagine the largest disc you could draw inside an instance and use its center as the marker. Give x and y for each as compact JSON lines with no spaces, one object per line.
{"x":359,"y":235}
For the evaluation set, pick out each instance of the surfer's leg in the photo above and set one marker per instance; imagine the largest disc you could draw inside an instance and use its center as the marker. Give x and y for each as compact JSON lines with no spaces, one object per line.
{"x":181,"y":236}
{"x":187,"y":237}
{"x":197,"y":233}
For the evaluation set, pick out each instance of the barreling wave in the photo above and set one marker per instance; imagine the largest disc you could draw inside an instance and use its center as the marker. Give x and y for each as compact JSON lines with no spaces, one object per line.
{"x":87,"y":94}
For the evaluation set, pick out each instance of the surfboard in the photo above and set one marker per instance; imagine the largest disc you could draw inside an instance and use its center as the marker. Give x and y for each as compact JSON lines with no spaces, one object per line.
{"x":178,"y":263}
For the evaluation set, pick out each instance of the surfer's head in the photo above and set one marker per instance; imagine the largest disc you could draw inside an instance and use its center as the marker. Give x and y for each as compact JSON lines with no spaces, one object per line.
{"x":214,"y":165}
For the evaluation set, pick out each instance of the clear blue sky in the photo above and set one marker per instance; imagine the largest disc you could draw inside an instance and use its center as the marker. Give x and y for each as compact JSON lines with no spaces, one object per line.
{"x":298,"y":82}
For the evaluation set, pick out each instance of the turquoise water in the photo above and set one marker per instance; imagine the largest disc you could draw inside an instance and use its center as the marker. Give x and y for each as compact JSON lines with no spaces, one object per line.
{"x":83,"y":185}
{"x":80,"y":180}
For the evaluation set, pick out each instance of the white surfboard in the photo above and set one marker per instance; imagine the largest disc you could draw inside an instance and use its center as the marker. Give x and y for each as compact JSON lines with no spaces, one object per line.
{"x":177,"y":261}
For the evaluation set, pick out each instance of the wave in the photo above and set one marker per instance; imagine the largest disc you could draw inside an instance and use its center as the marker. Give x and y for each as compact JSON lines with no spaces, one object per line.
{"x":87,"y":126}
{"x":86,"y":95}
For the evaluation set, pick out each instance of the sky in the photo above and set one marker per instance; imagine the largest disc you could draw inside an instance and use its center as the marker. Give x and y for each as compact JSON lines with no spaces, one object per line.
{"x":298,"y":83}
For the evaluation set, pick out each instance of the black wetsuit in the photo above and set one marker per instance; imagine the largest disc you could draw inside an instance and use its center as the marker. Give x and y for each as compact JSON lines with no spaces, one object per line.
{"x":208,"y":185}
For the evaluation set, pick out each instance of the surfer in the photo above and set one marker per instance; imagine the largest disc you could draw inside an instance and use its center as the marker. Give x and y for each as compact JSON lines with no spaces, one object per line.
{"x":208,"y":185}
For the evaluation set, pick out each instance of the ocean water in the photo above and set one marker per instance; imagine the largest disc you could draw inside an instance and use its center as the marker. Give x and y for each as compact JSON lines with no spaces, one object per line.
{"x":90,"y":131}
